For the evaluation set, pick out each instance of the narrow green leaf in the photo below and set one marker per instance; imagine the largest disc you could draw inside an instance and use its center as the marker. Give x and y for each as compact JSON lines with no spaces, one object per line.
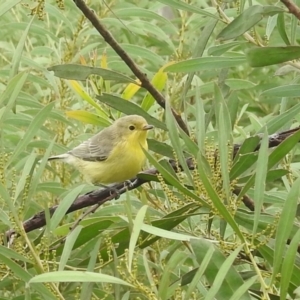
{"x":202,"y":160}
{"x":285,"y":147}
{"x":19,"y":50}
{"x":9,"y":203}
{"x":281,"y":120}
{"x":187,"y":7}
{"x":239,"y":25}
{"x":33,"y":128}
{"x":176,"y":259}
{"x":272,"y":176}
{"x":291,"y":90}
{"x":38,"y":174}
{"x":41,"y":31}
{"x":170,"y":221}
{"x":199,"y":273}
{"x":249,"y":145}
{"x":205,"y":63}
{"x":288,"y":265}
{"x":274,"y":158}
{"x":214,"y":197}
{"x":15,"y":268}
{"x":87,"y":287}
{"x":64,"y":206}
{"x":284,"y":227}
{"x":9,"y":253}
{"x":224,"y":138}
{"x":222,"y":48}
{"x":88,"y":232}
{"x":271,"y":24}
{"x":7,"y":5}
{"x":191,"y":146}
{"x":200,"y":122}
{"x":160,"y":148}
{"x":5,"y":219}
{"x":294,"y":26}
{"x":129,"y":108}
{"x":136,"y":229}
{"x":266,"y":56}
{"x":239,"y":84}
{"x":148,"y":271}
{"x":68,"y":246}
{"x":166,"y":233}
{"x":27,"y":170}
{"x":11,"y":92}
{"x":175,"y":141}
{"x":221,"y":275}
{"x":81,"y":72}
{"x":172,"y":180}
{"x":133,"y":11}
{"x":243,"y":289}
{"x":55,"y":12}
{"x":129,"y":215}
{"x":198,"y":52}
{"x":233,"y":279}
{"x":247,"y":20}
{"x":77,"y":276}
{"x":97,"y":223}
{"x":233,"y":102}
{"x":281,"y":28}
{"x":260,"y":179}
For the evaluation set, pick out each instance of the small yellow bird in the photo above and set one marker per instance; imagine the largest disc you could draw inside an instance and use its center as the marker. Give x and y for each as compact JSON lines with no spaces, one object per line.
{"x":114,"y":154}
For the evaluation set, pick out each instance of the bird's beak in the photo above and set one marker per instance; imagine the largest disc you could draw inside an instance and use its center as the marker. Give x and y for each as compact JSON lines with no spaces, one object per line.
{"x":148,"y":127}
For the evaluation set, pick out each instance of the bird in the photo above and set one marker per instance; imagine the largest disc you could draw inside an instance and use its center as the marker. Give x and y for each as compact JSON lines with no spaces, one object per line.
{"x":113,"y":155}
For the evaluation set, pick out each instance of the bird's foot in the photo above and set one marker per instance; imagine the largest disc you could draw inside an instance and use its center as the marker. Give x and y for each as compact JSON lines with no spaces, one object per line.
{"x":114,"y":192}
{"x":128,"y":183}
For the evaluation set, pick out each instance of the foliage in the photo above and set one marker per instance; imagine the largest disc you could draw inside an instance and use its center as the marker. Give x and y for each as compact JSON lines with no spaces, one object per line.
{"x":185,"y":235}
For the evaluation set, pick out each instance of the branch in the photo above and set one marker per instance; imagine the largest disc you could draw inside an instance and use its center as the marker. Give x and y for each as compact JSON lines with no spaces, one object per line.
{"x":292,"y":7}
{"x":145,"y":83}
{"x":99,"y":197}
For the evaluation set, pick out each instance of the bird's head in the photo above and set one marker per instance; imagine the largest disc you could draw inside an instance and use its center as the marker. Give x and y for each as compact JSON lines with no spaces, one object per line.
{"x":133,"y":128}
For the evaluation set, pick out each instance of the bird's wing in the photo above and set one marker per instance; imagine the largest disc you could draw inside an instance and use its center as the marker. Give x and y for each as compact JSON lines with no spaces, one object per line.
{"x":97,"y":148}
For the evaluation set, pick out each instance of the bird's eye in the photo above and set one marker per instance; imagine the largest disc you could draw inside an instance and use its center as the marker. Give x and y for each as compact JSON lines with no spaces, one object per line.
{"x":131,"y":127}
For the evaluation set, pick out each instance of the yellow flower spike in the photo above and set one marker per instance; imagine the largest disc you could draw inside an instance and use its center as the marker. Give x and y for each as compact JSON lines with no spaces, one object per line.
{"x":86,"y":97}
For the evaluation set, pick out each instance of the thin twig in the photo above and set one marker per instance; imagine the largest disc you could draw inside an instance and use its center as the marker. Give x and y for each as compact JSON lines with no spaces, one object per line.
{"x":145,"y":83}
{"x":292,"y":7}
{"x":97,"y":197}
{"x":114,"y":194}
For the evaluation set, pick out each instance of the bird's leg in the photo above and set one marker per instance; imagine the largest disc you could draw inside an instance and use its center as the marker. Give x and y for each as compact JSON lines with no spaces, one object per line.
{"x":114,"y":191}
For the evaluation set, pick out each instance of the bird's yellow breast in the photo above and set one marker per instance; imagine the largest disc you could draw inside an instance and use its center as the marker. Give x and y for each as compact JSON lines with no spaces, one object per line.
{"x":123,"y":163}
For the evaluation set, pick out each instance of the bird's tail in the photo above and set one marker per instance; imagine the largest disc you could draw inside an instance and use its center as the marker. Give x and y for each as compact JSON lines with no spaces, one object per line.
{"x":61,"y":156}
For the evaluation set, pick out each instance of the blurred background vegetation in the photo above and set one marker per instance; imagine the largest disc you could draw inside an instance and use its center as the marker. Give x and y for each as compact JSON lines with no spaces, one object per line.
{"x":182,"y":236}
